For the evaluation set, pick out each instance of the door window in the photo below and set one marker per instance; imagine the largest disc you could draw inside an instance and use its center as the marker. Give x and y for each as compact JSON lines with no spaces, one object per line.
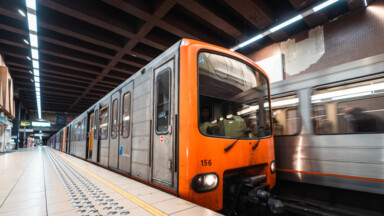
{"x":104,"y":123}
{"x":115,"y":124}
{"x":163,"y":85}
{"x":126,"y":114}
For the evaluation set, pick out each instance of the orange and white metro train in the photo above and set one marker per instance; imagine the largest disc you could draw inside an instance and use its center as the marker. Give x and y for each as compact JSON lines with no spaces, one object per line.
{"x":195,"y":122}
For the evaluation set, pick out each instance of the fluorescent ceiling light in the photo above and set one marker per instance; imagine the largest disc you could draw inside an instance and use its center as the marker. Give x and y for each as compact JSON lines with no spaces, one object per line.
{"x":25,"y":41}
{"x":31,"y":4}
{"x":37,"y":84}
{"x":251,"y":40}
{"x":348,"y":91}
{"x":33,"y":39}
{"x":21,"y":12}
{"x":36,"y":72}
{"x":323,"y":5}
{"x":35,"y":64}
{"x":41,"y":124}
{"x":37,"y":89}
{"x":32,"y":80}
{"x":32,"y":23}
{"x":248,"y":109}
{"x":37,"y":79}
{"x":286,"y":23}
{"x":29,"y":58}
{"x":30,"y":72}
{"x":35,"y":53}
{"x":352,"y":96}
{"x":292,"y":101}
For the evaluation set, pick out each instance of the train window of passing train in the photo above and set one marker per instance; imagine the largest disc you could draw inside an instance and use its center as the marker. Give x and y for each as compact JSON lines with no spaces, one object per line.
{"x":233,"y":98}
{"x":348,"y":108}
{"x":285,"y":115}
{"x":78,"y":131}
{"x":163,"y":84}
{"x":104,"y":112}
{"x":126,"y":114}
{"x":115,"y":123}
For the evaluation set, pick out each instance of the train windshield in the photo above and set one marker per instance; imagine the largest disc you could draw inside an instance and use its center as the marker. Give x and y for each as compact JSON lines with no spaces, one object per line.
{"x":233,"y":98}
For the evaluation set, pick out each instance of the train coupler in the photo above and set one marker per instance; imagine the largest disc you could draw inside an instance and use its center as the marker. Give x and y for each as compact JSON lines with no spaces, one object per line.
{"x":260,"y":196}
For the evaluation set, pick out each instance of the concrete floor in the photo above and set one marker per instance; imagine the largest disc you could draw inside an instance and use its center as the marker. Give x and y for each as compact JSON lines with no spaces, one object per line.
{"x":41,"y":181}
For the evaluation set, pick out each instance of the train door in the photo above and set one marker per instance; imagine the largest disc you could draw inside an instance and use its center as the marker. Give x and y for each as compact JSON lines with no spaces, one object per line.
{"x":163,"y":143}
{"x":114,"y":135}
{"x":95,"y":145}
{"x":104,"y":132}
{"x":90,"y":135}
{"x":125,"y":148}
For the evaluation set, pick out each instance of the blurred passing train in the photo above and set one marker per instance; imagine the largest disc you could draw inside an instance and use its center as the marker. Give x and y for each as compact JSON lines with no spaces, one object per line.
{"x":194,"y":122}
{"x":329,"y":127}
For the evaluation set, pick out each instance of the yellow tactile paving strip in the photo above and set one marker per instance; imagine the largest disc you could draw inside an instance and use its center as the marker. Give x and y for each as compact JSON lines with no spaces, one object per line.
{"x":137,"y":201}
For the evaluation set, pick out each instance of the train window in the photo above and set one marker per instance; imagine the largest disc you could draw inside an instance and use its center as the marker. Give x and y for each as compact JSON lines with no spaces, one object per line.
{"x":126,"y":114}
{"x":78,"y":134}
{"x":233,"y":98}
{"x":285,"y":115}
{"x":349,"y":108}
{"x":163,"y":84}
{"x":103,"y":127}
{"x":115,"y":123}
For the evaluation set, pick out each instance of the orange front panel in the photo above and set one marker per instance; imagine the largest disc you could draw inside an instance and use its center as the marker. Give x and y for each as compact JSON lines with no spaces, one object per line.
{"x":194,"y":147}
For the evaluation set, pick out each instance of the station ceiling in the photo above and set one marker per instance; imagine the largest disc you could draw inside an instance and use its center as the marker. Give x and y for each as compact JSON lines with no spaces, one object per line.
{"x":88,"y":47}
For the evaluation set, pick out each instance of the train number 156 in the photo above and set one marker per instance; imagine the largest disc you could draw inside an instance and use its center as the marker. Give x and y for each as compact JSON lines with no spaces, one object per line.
{"x":206,"y":163}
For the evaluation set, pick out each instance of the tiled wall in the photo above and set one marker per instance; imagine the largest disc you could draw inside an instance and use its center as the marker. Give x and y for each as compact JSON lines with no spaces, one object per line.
{"x":351,"y":37}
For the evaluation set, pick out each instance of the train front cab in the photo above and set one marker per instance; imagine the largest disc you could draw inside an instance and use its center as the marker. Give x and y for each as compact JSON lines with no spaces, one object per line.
{"x":226,"y":151}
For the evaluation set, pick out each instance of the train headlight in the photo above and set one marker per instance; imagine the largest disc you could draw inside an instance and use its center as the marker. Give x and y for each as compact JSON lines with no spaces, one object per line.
{"x":273,"y":167}
{"x":205,"y":182}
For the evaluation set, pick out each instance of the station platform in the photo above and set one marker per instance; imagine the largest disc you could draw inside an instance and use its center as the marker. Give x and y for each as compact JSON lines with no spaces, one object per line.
{"x":43,"y":181}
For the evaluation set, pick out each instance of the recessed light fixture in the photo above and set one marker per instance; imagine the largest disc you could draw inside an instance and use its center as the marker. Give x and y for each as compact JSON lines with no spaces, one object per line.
{"x":35,"y":53}
{"x":35,"y":64}
{"x":30,"y":72}
{"x":32,"y":80}
{"x":36,"y":72}
{"x":33,"y":39}
{"x":29,"y":58}
{"x":21,"y":12}
{"x":31,"y":4}
{"x":25,"y":41}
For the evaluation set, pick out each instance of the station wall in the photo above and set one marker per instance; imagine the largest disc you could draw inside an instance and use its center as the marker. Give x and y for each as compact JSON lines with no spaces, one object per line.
{"x":354,"y":36}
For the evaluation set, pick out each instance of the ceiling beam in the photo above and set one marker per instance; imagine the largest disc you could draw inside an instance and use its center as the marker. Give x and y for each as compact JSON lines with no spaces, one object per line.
{"x":153,"y":19}
{"x":70,"y":33}
{"x":100,"y":23}
{"x":212,"y":19}
{"x":160,"y":12}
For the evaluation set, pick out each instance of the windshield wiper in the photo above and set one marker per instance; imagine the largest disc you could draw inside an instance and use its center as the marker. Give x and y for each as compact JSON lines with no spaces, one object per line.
{"x":230,"y":146}
{"x":258,"y":141}
{"x":256,"y":144}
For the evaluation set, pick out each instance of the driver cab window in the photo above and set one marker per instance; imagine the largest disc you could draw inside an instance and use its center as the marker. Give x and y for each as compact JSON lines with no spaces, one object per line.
{"x":233,"y":98}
